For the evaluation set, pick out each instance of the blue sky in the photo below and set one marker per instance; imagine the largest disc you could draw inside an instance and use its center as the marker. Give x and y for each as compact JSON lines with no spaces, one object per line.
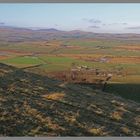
{"x":110,"y":18}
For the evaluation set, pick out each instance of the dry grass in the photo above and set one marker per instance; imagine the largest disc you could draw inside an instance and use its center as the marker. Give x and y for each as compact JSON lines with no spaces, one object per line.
{"x":116,"y":115}
{"x":137,"y":120}
{"x":55,"y":96}
{"x":122,"y":109}
{"x":117,"y":103}
{"x":70,"y":119}
{"x":48,"y":121}
{"x":96,"y":109}
{"x":125,"y":130}
{"x":98,"y":131}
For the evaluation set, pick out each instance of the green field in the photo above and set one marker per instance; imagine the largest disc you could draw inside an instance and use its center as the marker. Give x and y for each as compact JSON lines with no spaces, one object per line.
{"x":25,"y":61}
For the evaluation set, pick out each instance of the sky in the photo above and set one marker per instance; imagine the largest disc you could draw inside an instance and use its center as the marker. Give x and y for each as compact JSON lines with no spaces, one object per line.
{"x":93,"y":17}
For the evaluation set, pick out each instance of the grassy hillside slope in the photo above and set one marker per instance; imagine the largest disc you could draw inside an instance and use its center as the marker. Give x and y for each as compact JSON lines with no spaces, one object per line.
{"x":34,"y":105}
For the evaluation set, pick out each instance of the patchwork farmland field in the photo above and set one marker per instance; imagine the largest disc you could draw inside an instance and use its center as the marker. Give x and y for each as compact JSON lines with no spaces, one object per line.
{"x":54,"y":56}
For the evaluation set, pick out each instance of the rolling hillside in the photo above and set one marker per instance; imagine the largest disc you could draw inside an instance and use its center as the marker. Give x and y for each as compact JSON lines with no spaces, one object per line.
{"x":34,"y":105}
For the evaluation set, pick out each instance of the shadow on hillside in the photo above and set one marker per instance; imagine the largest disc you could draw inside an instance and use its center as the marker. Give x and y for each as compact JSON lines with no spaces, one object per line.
{"x":128,"y":91}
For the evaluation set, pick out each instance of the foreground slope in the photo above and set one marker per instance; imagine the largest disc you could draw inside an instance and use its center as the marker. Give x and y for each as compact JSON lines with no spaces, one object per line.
{"x":32,"y":105}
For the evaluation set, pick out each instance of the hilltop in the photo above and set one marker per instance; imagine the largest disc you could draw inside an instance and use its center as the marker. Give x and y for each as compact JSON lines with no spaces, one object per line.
{"x":35,"y":105}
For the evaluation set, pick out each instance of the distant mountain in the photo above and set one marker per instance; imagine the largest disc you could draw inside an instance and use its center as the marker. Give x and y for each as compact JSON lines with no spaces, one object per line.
{"x":17,"y":34}
{"x":49,"y":30}
{"x":13,"y":28}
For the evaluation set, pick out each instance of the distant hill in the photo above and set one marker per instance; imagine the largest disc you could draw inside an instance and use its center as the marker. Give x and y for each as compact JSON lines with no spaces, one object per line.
{"x":33,"y":105}
{"x":17,"y":34}
{"x":49,"y":30}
